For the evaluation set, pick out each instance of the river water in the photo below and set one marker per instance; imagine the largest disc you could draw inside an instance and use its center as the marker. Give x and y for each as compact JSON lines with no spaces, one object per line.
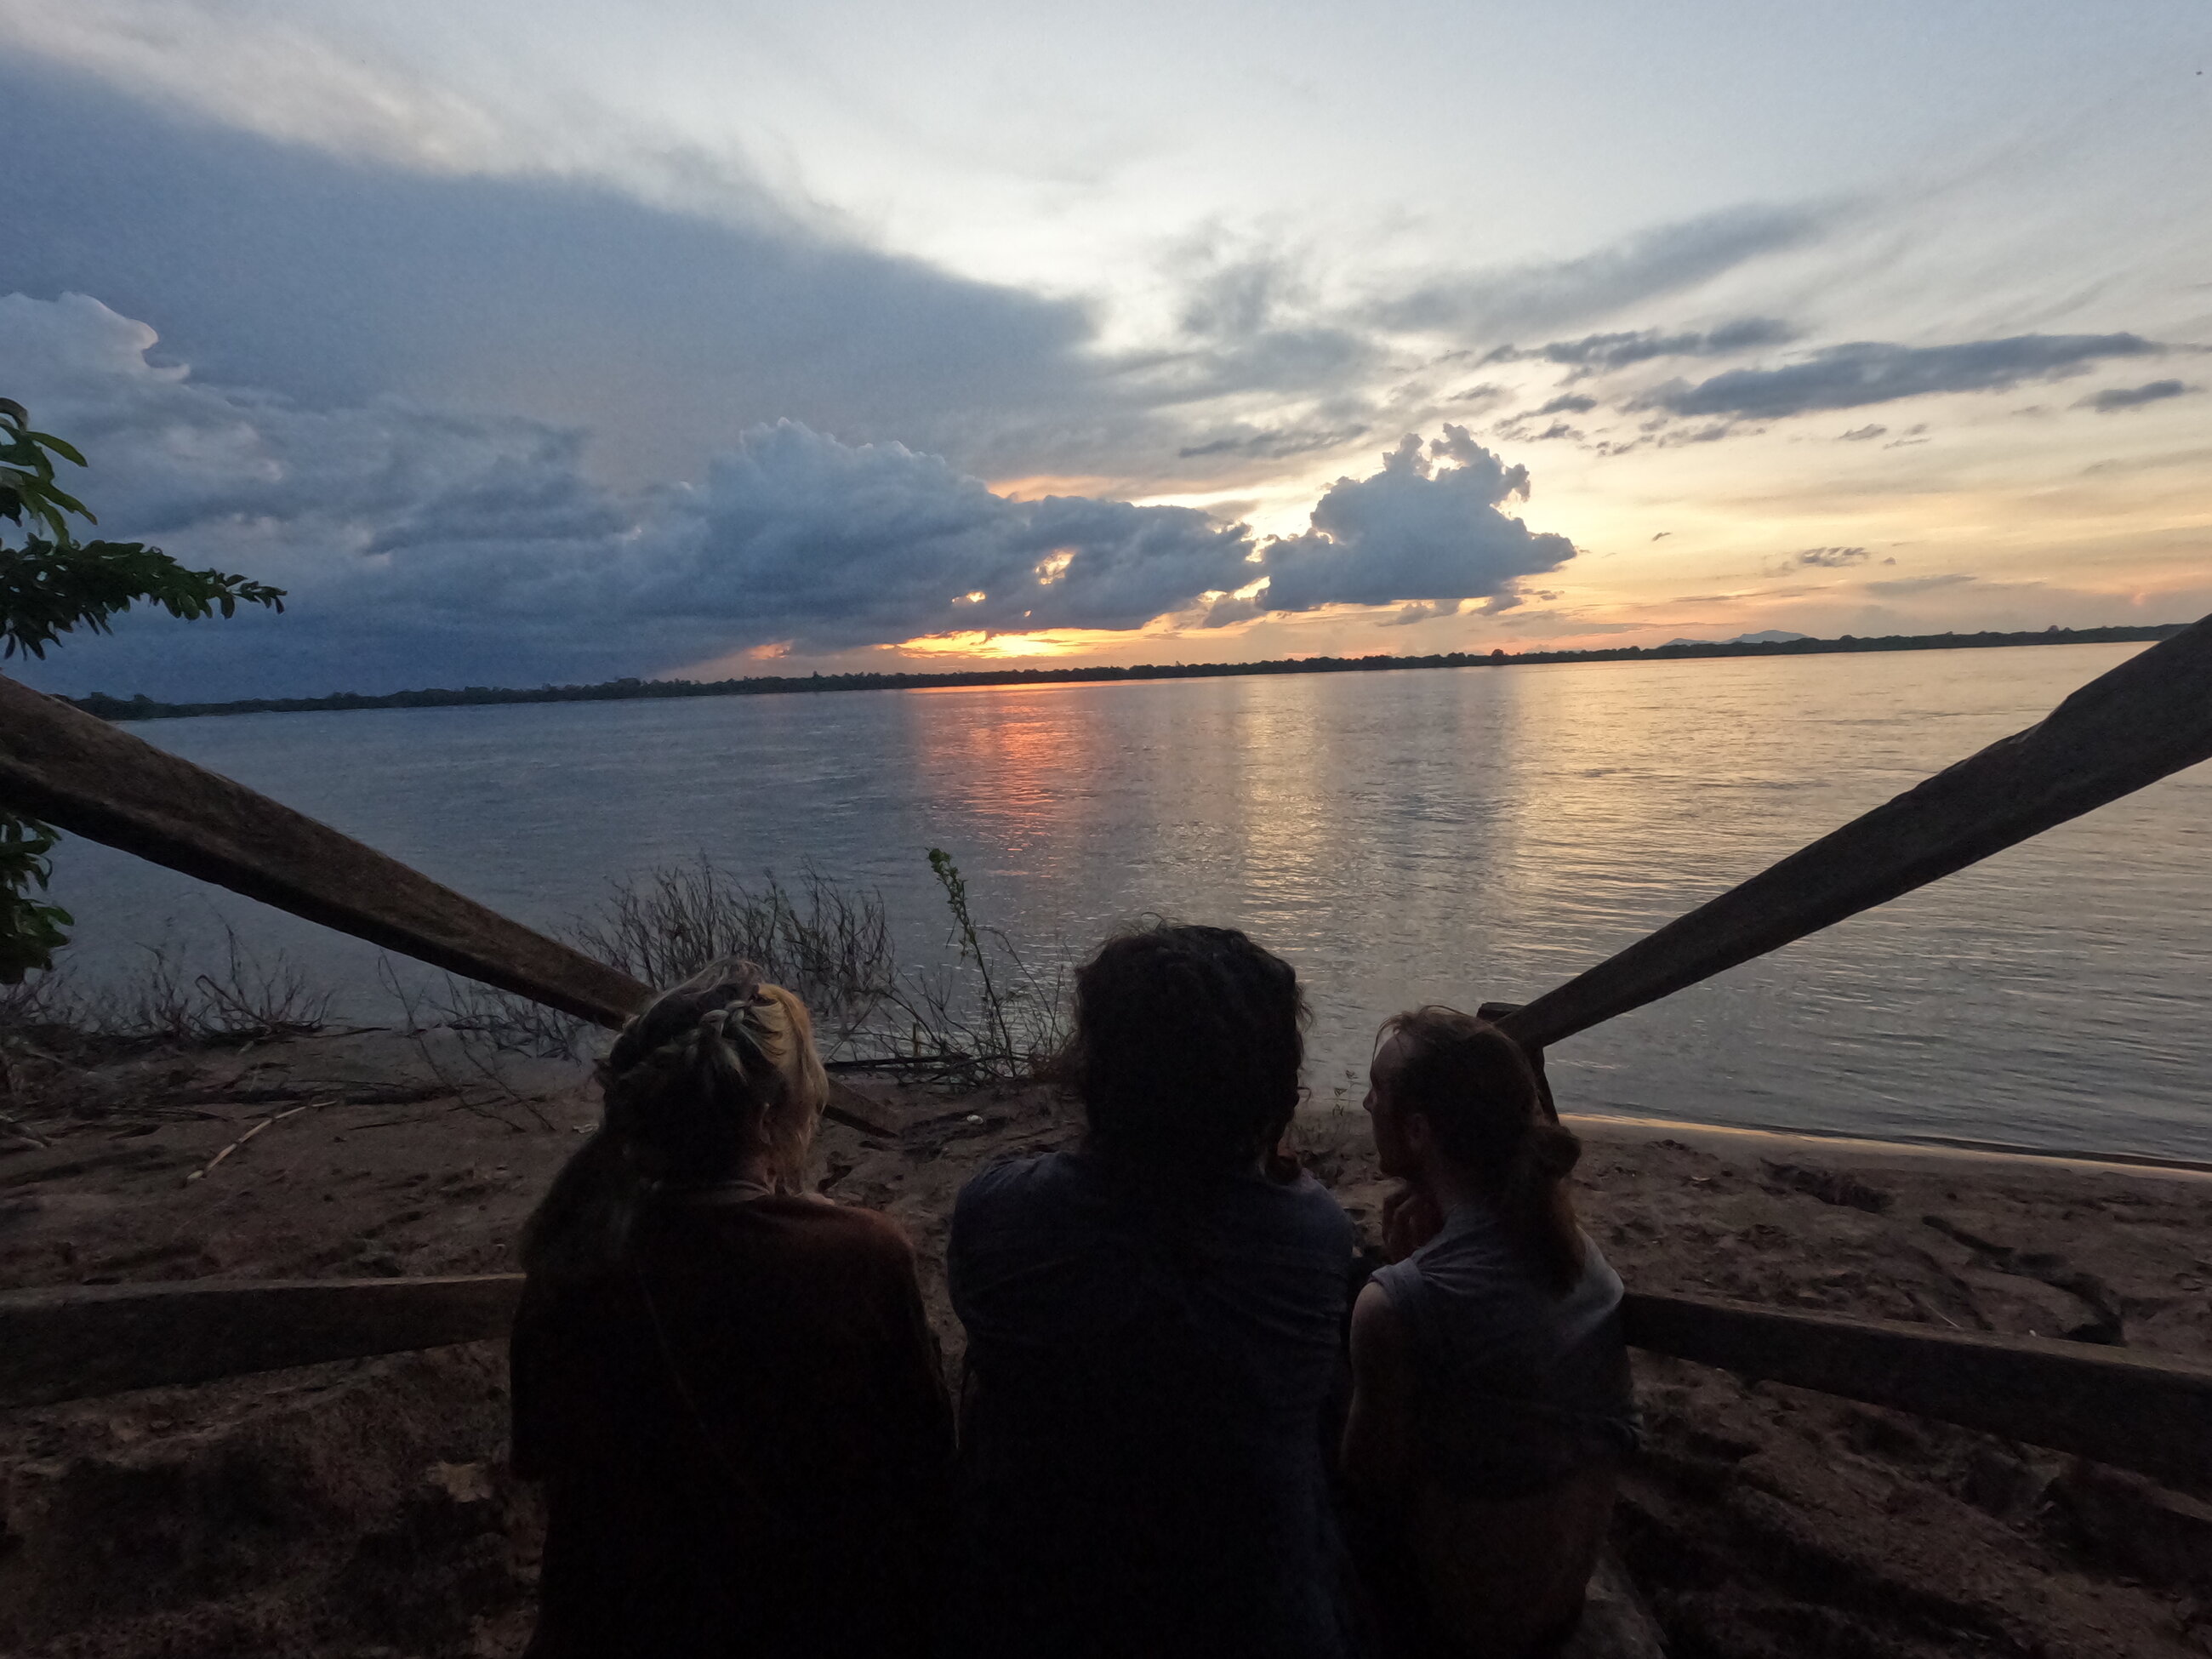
{"x":1450,"y":835}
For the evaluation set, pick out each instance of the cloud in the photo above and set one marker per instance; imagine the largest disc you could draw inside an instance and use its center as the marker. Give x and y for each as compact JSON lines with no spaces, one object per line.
{"x":2116,"y":397}
{"x":422,"y":547}
{"x":1274,"y":444}
{"x":265,"y":259}
{"x":1873,"y":372}
{"x":1901,"y":587}
{"x":1824,"y":558}
{"x":1665,"y":259}
{"x":1597,"y":352}
{"x":1859,"y":435}
{"x":1565,"y":404}
{"x":1426,"y":610}
{"x":1416,"y":530}
{"x":426,"y":546}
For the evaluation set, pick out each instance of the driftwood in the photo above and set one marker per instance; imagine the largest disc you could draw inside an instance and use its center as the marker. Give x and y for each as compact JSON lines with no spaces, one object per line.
{"x":202,"y":1173}
{"x":2145,"y":720}
{"x":2154,"y":1416}
{"x":2150,"y":1415}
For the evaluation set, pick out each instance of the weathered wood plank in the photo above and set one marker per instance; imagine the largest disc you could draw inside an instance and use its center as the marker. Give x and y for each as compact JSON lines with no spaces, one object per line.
{"x":2148,"y":718}
{"x":97,"y":780}
{"x":94,"y":779}
{"x":2154,"y":1416}
{"x":80,"y":1341}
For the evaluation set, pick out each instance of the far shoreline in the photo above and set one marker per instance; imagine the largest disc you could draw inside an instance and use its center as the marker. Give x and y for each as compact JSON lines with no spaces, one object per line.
{"x":141,"y":706}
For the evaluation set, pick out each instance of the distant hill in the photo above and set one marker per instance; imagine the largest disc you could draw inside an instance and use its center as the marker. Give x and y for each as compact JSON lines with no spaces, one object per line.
{"x":1764,"y":636}
{"x":1773,"y":642}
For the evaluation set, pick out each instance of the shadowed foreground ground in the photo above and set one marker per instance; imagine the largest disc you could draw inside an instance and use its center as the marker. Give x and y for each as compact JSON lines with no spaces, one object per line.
{"x":362,"y":1508}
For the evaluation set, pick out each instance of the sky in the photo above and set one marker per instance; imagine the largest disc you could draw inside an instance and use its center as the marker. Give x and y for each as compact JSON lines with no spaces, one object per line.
{"x":551,"y":344}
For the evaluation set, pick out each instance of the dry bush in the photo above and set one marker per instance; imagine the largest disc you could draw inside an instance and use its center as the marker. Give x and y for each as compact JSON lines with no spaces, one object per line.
{"x":245,"y":999}
{"x":982,"y":1016}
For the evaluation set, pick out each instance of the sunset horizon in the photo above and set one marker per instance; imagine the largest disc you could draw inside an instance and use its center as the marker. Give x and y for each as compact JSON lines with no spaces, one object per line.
{"x":526,"y":359}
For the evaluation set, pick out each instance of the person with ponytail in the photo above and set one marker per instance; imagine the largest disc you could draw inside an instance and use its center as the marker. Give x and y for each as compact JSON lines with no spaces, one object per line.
{"x":727,"y":1383}
{"x":1490,"y":1403}
{"x":1153,"y":1329}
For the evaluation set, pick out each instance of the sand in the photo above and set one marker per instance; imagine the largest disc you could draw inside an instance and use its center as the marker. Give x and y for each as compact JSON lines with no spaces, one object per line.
{"x":362,"y":1508}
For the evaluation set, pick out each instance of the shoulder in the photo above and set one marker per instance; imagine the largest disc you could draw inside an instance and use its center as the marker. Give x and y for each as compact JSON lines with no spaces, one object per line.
{"x":1017,"y":1184}
{"x":1378,"y":1333}
{"x":844,"y":1230}
{"x":1301,"y":1209}
{"x":1599,"y":1289}
{"x":1317,"y":1207}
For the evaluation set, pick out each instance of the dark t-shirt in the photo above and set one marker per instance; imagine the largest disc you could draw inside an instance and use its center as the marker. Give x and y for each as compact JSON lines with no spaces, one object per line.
{"x":1141,"y":1469}
{"x":744,"y":1438}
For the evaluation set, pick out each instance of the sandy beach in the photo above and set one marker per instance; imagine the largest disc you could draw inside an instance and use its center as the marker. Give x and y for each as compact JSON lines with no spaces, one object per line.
{"x":362,"y":1508}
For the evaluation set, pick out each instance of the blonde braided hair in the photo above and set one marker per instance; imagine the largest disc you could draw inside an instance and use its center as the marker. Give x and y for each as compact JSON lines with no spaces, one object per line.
{"x":714,"y":1071}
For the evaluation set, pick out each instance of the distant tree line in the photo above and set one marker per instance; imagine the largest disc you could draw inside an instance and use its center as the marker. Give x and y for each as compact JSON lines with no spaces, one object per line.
{"x":141,"y":707}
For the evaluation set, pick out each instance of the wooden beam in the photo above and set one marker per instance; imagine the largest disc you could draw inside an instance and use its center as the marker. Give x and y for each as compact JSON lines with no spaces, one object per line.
{"x":2154,"y":1416}
{"x":97,"y":780}
{"x":74,"y":1343}
{"x":94,"y":780}
{"x":2148,"y":718}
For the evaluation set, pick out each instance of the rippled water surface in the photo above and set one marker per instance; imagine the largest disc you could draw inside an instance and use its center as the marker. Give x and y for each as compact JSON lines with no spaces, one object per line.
{"x":1432,"y":835}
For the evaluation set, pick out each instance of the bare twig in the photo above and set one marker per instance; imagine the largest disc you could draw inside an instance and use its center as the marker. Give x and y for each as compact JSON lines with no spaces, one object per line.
{"x":23,"y":1131}
{"x":201,"y":1173}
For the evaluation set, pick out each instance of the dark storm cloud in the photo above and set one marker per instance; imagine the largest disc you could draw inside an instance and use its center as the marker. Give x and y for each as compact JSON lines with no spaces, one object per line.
{"x":1666,"y":260}
{"x":1873,"y":372}
{"x":331,"y":280}
{"x":422,"y":548}
{"x":1596,"y":352}
{"x":2116,"y":397}
{"x":1417,"y":530}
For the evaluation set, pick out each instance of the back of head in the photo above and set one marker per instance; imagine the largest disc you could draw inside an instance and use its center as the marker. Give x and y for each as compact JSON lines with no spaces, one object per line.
{"x":1475,"y":1086}
{"x":1187,"y":1048}
{"x":720,"y":1071}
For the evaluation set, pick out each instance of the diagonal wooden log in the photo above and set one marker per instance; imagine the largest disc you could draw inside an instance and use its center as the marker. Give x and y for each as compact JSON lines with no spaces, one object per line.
{"x":94,"y":780}
{"x":2151,"y":1415}
{"x":2145,"y":720}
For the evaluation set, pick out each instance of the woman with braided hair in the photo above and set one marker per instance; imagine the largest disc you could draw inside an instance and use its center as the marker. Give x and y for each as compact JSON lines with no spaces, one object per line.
{"x":1153,"y":1324}
{"x":1491,"y":1404}
{"x":727,"y":1383}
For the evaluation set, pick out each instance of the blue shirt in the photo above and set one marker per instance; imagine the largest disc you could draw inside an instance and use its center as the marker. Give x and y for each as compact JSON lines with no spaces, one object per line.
{"x":1141,"y":1470}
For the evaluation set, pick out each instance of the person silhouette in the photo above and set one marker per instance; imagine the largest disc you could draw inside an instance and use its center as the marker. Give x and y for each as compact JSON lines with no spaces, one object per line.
{"x":1153,"y":1336}
{"x":1491,"y":1402}
{"x":728,"y":1386}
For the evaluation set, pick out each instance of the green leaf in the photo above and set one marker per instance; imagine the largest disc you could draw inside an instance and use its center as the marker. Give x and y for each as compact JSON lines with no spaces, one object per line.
{"x":51,"y":585}
{"x":67,"y":451}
